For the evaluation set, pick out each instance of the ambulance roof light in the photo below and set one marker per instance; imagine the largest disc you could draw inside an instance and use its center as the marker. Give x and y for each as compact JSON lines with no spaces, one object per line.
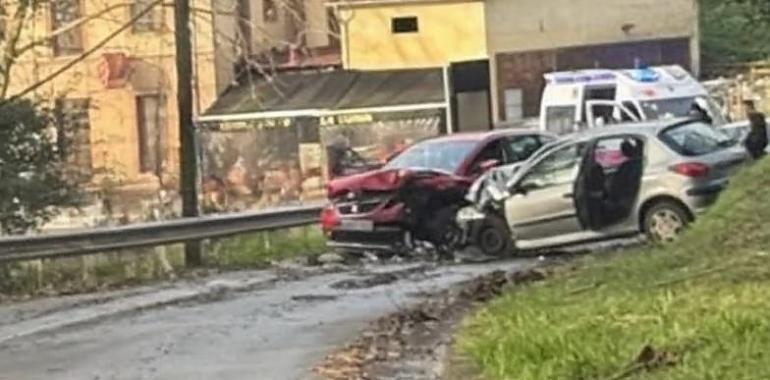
{"x":644,"y":75}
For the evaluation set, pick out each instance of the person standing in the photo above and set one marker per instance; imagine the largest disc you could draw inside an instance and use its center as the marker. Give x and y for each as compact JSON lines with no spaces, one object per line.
{"x":756,"y":141}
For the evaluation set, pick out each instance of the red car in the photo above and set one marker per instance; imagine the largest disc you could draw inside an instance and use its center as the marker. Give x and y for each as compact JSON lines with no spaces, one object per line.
{"x":414,"y":197}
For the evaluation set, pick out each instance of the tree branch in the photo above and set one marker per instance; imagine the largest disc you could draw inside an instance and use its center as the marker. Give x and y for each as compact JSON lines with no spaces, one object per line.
{"x":12,"y":35}
{"x":82,"y":56}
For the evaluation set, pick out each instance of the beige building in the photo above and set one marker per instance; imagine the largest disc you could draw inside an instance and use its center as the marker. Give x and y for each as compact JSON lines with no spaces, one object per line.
{"x":120,"y":98}
{"x":381,"y":35}
{"x":519,"y":41}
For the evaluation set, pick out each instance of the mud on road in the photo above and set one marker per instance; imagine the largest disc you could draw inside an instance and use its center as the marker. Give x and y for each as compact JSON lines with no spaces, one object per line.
{"x":412,"y":344}
{"x":280,"y":326}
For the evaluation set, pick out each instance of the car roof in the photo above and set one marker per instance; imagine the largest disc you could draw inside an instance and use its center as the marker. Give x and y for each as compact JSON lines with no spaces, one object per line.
{"x":486,"y":135}
{"x":638,"y":128}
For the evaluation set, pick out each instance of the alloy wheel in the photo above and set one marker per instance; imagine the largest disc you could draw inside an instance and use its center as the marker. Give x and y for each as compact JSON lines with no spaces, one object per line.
{"x":666,"y":225}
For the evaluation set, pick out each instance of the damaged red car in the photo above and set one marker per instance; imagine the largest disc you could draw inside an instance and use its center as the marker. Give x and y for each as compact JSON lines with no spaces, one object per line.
{"x":414,"y":197}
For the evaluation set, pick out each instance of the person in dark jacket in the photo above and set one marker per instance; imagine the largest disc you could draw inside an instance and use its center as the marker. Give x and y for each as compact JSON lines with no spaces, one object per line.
{"x":756,"y":141}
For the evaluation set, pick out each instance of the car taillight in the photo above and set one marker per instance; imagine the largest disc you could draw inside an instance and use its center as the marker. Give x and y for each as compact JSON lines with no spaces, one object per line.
{"x":691,"y":169}
{"x":329,"y":218}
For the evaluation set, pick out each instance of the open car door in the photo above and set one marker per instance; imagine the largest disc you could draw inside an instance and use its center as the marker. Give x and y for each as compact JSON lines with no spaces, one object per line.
{"x":607,"y":112}
{"x":589,"y":190}
{"x":609,"y":180}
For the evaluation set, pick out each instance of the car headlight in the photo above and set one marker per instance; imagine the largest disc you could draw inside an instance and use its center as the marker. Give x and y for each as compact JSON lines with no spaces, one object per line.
{"x":469,"y":213}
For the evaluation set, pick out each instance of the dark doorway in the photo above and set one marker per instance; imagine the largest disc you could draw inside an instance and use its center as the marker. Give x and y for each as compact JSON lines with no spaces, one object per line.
{"x":470,"y":96}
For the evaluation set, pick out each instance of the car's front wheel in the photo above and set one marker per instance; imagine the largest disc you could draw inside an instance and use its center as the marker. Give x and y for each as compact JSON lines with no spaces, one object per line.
{"x":493,"y":237}
{"x":665,"y":221}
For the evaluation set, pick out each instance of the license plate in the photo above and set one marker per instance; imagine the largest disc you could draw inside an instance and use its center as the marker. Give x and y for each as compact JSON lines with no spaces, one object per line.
{"x":357,"y":225}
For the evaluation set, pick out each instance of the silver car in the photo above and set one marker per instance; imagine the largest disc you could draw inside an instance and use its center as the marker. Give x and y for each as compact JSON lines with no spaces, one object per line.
{"x":604,"y":183}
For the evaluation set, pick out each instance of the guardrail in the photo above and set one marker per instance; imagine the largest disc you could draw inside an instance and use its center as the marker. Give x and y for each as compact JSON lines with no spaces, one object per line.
{"x":17,"y":248}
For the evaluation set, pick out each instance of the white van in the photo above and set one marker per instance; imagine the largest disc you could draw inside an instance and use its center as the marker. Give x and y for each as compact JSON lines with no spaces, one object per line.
{"x":577,"y":100}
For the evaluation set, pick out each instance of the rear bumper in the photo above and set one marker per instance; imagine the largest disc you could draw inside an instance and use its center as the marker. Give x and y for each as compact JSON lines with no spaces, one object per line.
{"x":707,"y":190}
{"x":699,"y":198}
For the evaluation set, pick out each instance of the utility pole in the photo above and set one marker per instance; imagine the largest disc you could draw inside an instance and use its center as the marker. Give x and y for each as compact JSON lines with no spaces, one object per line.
{"x":188,"y":158}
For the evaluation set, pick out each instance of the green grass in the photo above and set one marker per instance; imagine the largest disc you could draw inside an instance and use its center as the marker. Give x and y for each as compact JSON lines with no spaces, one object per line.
{"x":258,"y":250}
{"x":704,"y":300}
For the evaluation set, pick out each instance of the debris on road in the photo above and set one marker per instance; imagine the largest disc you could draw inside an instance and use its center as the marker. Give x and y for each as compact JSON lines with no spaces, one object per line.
{"x":409,"y":344}
{"x":331,"y":258}
{"x":372,"y":280}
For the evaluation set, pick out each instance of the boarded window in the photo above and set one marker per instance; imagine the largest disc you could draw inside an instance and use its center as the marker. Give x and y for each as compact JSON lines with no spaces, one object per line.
{"x":404,"y":25}
{"x":148,"y":22}
{"x":269,"y":11}
{"x":64,"y":13}
{"x":151,"y":124}
{"x":514,"y":104}
{"x":74,"y":135}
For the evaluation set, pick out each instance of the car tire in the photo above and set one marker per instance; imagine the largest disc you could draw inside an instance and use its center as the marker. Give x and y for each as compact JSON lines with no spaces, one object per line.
{"x":665,"y":221}
{"x":493,"y":237}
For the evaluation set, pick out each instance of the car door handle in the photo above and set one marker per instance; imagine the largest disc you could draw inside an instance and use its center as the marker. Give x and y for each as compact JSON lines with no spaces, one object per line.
{"x":568,"y":195}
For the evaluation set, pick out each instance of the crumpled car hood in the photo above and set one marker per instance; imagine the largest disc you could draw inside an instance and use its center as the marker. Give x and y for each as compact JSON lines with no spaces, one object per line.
{"x":378,"y":180}
{"x":481,"y":193}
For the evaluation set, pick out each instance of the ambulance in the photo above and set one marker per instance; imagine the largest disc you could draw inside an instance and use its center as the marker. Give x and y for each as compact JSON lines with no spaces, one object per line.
{"x":577,"y":100}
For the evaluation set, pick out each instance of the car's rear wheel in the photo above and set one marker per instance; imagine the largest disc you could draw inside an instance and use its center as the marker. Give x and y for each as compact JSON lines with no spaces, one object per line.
{"x":665,"y":221}
{"x":493,"y":237}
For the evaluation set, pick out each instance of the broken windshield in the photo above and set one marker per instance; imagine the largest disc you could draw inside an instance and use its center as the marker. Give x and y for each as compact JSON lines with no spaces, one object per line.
{"x":438,"y":155}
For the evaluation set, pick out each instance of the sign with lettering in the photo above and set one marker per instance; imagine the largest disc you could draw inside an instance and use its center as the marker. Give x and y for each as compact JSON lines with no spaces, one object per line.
{"x":283,"y":122}
{"x":357,"y":118}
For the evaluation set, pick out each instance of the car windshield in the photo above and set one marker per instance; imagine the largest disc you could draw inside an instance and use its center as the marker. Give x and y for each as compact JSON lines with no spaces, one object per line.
{"x":667,"y":108}
{"x":438,"y":155}
{"x":695,"y":139}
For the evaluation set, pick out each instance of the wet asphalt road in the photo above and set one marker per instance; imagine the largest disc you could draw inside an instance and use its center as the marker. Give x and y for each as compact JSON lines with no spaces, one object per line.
{"x":278,"y":332}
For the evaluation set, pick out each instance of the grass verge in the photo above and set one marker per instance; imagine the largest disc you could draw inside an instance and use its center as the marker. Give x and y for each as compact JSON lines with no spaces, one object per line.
{"x":697,"y":309}
{"x":260,"y":249}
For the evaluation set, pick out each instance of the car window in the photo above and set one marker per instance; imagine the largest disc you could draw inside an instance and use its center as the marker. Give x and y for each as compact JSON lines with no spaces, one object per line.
{"x":608,"y":152}
{"x":521,"y":147}
{"x":667,"y":108}
{"x":439,"y":155}
{"x":560,"y":119}
{"x":558,"y":167}
{"x":632,"y":108}
{"x":493,"y":151}
{"x":695,"y":139}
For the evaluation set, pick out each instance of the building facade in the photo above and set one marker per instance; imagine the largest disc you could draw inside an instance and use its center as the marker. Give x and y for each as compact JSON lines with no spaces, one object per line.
{"x":519,"y":41}
{"x":117,"y":95}
{"x":410,"y":34}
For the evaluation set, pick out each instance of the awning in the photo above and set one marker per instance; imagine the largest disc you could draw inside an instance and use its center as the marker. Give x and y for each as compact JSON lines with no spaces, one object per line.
{"x":323,"y":93}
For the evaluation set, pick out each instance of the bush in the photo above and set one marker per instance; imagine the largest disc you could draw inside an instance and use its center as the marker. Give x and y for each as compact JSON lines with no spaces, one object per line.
{"x":33,"y":184}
